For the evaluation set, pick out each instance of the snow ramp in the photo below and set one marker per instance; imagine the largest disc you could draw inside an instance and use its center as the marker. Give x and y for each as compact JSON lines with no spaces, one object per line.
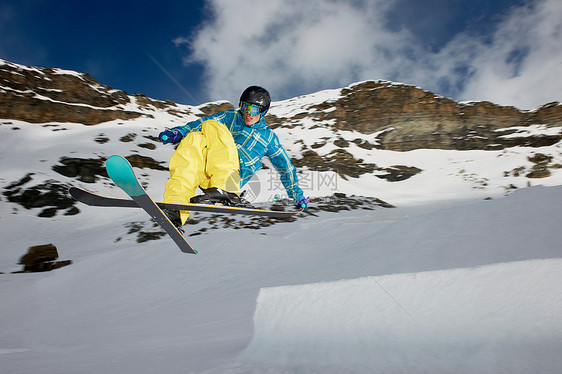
{"x":501,"y":318}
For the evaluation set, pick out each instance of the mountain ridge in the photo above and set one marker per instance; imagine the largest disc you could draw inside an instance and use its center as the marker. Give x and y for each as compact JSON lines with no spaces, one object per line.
{"x":403,"y":117}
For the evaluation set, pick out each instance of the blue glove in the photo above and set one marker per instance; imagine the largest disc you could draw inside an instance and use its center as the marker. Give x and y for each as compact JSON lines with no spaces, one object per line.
{"x":302,"y":204}
{"x":170,"y":136}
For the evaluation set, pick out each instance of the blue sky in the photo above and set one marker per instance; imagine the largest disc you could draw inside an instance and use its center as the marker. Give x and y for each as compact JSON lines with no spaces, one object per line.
{"x":505,"y":51}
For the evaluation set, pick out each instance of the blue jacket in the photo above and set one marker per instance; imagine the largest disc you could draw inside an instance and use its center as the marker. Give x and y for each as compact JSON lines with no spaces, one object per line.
{"x":253,"y":143}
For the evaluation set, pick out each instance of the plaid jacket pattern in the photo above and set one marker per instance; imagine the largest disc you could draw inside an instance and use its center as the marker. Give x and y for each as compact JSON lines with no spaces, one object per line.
{"x":253,"y":144}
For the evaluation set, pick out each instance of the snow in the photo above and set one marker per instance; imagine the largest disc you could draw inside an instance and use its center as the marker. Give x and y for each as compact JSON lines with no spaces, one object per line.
{"x":519,"y":131}
{"x":462,"y":276}
{"x":473,"y":287}
{"x":473,"y":316}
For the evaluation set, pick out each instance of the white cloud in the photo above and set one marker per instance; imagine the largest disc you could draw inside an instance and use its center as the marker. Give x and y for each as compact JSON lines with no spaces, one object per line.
{"x":523,"y":64}
{"x":295,"y":47}
{"x":288,"y":46}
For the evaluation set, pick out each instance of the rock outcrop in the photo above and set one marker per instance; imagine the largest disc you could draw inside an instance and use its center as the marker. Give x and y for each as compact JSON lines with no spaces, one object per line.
{"x":42,"y":258}
{"x":406,"y":118}
{"x":41,"y":95}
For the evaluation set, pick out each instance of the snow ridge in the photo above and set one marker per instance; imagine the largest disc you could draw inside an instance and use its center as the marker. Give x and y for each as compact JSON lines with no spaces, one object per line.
{"x":501,"y":312}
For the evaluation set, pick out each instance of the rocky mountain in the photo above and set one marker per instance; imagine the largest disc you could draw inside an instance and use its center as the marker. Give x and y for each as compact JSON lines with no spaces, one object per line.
{"x":42,"y":95}
{"x":403,"y":117}
{"x":406,"y":117}
{"x":342,"y":134}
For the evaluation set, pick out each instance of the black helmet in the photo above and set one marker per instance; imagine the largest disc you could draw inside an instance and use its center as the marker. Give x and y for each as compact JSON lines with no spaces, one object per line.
{"x":256,"y":95}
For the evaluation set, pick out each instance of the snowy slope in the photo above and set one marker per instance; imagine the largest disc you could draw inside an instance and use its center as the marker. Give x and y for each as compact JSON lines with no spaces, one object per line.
{"x":133,"y":308}
{"x":446,"y":281}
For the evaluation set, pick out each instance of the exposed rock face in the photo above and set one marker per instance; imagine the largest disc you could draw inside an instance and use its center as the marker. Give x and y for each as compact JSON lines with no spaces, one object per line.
{"x":51,"y":196}
{"x":213,"y":108}
{"x":408,"y":118}
{"x":39,"y":95}
{"x":404,"y":117}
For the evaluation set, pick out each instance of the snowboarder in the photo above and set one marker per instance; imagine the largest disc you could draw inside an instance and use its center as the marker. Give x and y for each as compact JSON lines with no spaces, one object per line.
{"x":221,"y":152}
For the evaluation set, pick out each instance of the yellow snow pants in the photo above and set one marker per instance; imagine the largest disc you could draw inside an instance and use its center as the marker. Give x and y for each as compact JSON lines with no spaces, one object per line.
{"x":206,"y":158}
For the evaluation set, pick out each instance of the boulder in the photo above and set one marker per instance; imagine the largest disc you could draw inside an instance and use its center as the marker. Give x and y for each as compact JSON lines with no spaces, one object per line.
{"x":41,"y":258}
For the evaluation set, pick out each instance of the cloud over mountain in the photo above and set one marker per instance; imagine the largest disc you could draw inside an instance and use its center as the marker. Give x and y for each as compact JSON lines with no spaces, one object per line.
{"x":291,"y":46}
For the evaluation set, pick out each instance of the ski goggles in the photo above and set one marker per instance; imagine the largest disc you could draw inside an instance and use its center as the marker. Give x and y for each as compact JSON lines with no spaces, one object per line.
{"x":251,"y":109}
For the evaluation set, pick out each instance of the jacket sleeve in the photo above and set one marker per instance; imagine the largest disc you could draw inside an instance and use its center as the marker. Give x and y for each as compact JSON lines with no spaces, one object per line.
{"x":224,"y":117}
{"x":287,"y":171}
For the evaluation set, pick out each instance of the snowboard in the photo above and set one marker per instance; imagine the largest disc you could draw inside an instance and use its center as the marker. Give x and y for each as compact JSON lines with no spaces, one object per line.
{"x":121,"y":172}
